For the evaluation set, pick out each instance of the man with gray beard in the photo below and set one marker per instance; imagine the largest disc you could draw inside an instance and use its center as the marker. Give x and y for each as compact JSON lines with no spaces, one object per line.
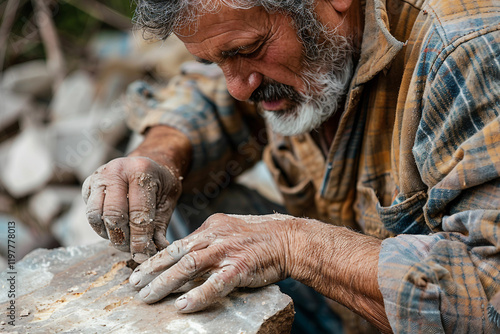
{"x":382,"y":132}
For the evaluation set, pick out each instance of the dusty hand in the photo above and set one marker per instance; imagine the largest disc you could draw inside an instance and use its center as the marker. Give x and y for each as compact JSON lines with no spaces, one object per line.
{"x":130,"y":201}
{"x":228,"y":250}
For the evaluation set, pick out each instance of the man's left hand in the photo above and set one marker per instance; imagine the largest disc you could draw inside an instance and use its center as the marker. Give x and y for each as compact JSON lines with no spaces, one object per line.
{"x":229,"y":251}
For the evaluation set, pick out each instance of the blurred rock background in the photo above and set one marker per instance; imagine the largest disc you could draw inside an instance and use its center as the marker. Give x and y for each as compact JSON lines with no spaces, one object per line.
{"x":64,"y":66}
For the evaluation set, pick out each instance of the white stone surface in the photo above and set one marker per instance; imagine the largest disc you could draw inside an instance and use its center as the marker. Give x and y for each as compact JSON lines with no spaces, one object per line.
{"x":74,"y":96}
{"x":72,"y":228}
{"x":46,"y":204}
{"x":82,"y":144}
{"x":86,"y":290}
{"x":4,"y":154}
{"x":31,"y":78}
{"x":28,"y":165}
{"x":12,"y":105}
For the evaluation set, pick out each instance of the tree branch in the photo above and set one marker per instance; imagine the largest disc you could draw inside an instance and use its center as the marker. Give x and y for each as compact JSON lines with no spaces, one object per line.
{"x":55,"y":58}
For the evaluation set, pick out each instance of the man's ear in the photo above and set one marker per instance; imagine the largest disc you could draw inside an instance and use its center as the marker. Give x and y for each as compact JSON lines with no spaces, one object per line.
{"x":341,"y":5}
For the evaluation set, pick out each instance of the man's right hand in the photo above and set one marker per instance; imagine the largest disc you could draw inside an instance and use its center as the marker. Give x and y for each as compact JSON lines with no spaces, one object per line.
{"x":130,"y":201}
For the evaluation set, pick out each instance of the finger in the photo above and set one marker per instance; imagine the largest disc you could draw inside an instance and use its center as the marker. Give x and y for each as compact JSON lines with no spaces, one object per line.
{"x":217,"y":286}
{"x":95,"y":204}
{"x":155,"y":265}
{"x":190,"y":266}
{"x":115,"y":215}
{"x":194,"y":283}
{"x":152,"y":267}
{"x":142,"y":207}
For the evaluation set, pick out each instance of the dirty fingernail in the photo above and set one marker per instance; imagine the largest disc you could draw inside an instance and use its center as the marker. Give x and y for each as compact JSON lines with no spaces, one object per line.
{"x":140,"y":257}
{"x":181,"y":303}
{"x":145,"y":291}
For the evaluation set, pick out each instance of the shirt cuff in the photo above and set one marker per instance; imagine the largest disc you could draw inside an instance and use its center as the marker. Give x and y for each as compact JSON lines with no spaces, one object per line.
{"x":410,"y":287}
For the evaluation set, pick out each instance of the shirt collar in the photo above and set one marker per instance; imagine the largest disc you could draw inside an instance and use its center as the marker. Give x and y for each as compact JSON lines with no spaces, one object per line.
{"x":379,"y":46}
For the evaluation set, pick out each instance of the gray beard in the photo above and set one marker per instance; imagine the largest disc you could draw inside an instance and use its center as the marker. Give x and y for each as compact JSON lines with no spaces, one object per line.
{"x":327,"y":81}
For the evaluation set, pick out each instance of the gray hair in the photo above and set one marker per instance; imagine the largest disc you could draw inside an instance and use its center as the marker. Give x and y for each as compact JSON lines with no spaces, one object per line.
{"x":160,"y":18}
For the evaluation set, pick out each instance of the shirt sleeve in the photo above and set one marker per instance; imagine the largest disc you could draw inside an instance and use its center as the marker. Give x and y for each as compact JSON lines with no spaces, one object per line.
{"x":444,"y":282}
{"x":226,"y":136}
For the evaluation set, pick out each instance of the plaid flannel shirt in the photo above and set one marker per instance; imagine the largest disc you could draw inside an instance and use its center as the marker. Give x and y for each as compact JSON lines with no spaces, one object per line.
{"x":415,"y":160}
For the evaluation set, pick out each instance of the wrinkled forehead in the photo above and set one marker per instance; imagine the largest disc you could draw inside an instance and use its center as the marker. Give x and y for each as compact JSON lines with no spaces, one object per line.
{"x":225,"y":21}
{"x":192,"y":10}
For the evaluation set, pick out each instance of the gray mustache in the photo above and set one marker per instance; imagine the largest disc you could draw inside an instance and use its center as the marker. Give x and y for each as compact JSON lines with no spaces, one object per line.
{"x":275,"y":91}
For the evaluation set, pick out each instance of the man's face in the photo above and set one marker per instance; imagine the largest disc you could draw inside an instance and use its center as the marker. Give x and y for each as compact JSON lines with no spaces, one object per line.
{"x":264,"y":61}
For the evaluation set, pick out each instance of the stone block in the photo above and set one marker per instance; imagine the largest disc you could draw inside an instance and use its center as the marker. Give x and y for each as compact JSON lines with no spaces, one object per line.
{"x":28,"y":165}
{"x":84,"y":143}
{"x":72,"y":228}
{"x":74,"y":96}
{"x":12,"y":106}
{"x":48,"y":203}
{"x":85,"y":290}
{"x":77,"y":146}
{"x":5,"y":148}
{"x":31,"y":78}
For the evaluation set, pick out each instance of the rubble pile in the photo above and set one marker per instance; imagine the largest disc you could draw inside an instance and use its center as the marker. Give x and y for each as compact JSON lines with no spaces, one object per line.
{"x":51,"y":139}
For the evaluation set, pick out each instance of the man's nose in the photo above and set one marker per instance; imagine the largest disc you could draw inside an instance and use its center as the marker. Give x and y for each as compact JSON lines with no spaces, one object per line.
{"x":241,"y":83}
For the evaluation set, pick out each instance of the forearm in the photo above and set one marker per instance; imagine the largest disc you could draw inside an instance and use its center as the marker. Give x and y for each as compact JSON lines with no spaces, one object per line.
{"x":340,"y":264}
{"x":167,"y":146}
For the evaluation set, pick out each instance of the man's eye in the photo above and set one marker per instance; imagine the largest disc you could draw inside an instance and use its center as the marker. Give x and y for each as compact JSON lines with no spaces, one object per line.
{"x":206,"y":62}
{"x":203,"y":61}
{"x":250,"y":52}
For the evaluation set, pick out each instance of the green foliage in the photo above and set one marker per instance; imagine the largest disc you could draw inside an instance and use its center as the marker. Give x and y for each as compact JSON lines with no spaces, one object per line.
{"x":76,"y":22}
